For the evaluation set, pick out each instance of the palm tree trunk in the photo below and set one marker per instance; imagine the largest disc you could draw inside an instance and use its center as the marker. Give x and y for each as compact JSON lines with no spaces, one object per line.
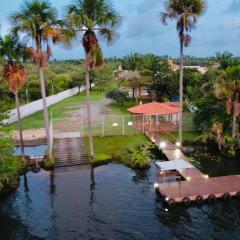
{"x":181,"y":94}
{"x":19,"y":125}
{"x":89,"y":118}
{"x":45,"y":109}
{"x":235,"y":113}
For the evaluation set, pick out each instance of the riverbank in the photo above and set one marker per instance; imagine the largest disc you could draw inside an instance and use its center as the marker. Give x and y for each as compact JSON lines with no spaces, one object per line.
{"x":11,"y":167}
{"x":132,"y":151}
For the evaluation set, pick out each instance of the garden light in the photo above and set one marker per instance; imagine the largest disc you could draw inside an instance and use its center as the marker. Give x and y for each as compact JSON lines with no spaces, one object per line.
{"x":156,"y":185}
{"x":162,"y":145}
{"x":178,"y":144}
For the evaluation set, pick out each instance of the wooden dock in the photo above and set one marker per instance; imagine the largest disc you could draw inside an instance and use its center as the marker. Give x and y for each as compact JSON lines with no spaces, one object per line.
{"x":70,"y":152}
{"x":189,"y":184}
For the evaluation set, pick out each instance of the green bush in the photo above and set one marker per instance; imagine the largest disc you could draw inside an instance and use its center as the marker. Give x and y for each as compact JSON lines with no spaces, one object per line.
{"x":138,"y":157}
{"x":10,"y":166}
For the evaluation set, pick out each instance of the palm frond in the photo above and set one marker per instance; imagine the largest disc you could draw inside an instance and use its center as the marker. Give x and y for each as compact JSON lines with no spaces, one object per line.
{"x":93,"y":51}
{"x":15,"y":75}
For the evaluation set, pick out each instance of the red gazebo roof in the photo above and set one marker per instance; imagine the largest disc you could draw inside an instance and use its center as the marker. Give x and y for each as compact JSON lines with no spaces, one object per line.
{"x":154,"y":108}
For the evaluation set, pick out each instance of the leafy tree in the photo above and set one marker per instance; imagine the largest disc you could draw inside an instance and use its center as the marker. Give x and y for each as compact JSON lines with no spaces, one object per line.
{"x":186,"y":13}
{"x":228,"y":87}
{"x":226,"y":59}
{"x":4,"y":114}
{"x":131,"y":62}
{"x":118,"y":96}
{"x":91,"y":17}
{"x":165,"y":82}
{"x":150,"y":62}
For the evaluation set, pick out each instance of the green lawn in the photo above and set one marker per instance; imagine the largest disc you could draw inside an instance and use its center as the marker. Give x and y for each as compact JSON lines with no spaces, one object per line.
{"x":115,"y":148}
{"x":59,"y":110}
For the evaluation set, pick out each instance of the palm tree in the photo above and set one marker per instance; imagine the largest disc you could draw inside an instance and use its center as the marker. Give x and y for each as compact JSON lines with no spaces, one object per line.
{"x":186,"y":13}
{"x":228,"y":87}
{"x":12,"y":52}
{"x":37,"y":22}
{"x":90,"y":17}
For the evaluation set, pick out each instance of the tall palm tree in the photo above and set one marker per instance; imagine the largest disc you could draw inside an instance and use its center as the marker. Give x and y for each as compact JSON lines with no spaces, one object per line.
{"x":13,"y":52}
{"x":186,"y":13}
{"x":228,"y":87}
{"x":90,"y":17}
{"x":37,"y":22}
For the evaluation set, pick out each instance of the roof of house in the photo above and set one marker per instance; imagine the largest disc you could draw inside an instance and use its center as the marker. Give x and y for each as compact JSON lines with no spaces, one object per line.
{"x":154,"y":108}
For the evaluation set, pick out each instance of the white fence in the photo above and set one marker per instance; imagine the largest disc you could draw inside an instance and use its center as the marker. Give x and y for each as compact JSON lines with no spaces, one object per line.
{"x":36,"y":106}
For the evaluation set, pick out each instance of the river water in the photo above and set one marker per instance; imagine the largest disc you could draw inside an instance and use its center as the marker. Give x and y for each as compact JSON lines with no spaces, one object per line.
{"x":113,"y":202}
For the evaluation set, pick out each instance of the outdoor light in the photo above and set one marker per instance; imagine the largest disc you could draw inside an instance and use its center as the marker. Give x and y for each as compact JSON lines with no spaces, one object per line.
{"x":177,"y":153}
{"x":156,"y":185}
{"x":162,"y":145}
{"x":206,"y":176}
{"x":166,"y":199}
{"x":178,"y":144}
{"x":188,"y":178}
{"x":152,"y":139}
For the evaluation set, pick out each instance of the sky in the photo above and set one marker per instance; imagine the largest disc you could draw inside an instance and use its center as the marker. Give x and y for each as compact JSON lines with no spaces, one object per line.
{"x":142,"y":31}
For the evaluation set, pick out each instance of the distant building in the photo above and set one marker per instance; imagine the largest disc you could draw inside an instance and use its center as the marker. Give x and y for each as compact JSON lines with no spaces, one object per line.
{"x":175,"y":67}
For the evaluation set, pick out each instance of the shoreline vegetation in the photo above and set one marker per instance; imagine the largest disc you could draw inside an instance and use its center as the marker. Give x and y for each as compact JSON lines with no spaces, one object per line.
{"x":11,"y":167}
{"x":132,"y":151}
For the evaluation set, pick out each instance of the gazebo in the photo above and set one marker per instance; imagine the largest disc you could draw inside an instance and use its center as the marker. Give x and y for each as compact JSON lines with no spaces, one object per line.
{"x":164,"y":116}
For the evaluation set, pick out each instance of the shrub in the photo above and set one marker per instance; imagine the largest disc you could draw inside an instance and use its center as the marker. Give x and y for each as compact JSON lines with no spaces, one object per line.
{"x":118,"y":96}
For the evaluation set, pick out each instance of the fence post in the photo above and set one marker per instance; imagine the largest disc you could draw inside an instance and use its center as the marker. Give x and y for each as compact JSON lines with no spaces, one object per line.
{"x":143,"y":124}
{"x":103,"y":133}
{"x":51,"y":114}
{"x":123,"y":125}
{"x":82,"y":127}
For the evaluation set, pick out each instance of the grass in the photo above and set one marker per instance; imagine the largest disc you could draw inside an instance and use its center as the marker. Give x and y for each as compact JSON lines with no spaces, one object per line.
{"x":117,"y":148}
{"x":59,"y":110}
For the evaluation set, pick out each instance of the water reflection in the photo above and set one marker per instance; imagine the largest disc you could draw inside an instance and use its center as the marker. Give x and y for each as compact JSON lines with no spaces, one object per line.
{"x":108,"y":202}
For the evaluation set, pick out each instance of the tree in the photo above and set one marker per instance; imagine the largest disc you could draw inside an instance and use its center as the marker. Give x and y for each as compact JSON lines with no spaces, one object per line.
{"x":118,"y":96}
{"x":91,"y":17}
{"x":186,"y":13}
{"x":37,"y":22}
{"x":165,"y":82}
{"x":131,"y":62}
{"x":13,"y":51}
{"x":228,"y":87}
{"x":4,"y":113}
{"x":150,"y":62}
{"x":226,"y":59}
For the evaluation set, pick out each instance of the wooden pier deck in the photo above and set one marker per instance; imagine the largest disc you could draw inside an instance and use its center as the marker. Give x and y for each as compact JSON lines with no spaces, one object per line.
{"x":190,"y":184}
{"x":200,"y":187}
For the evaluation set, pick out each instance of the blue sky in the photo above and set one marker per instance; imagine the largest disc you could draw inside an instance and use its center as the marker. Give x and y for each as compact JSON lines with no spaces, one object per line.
{"x":141,"y":30}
